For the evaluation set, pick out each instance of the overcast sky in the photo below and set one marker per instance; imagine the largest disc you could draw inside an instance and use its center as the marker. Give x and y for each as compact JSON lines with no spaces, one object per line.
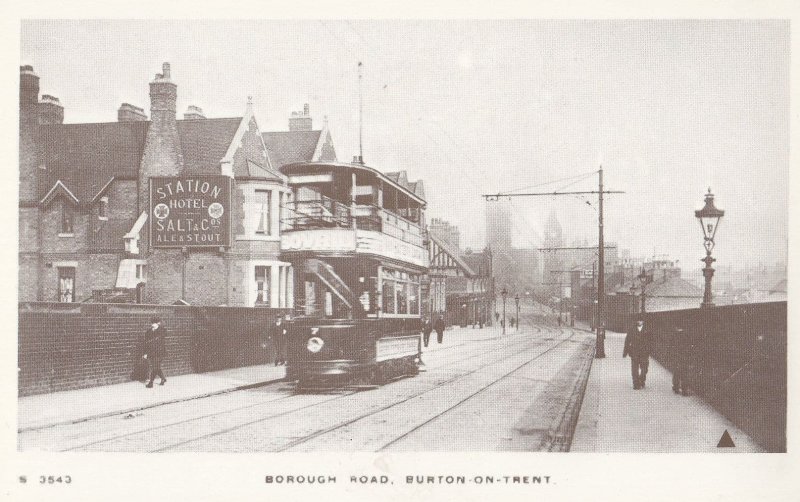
{"x":668,"y":107}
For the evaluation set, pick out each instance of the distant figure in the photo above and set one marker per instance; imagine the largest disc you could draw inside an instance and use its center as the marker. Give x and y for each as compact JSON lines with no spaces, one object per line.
{"x":683,"y":351}
{"x":427,"y":327}
{"x":439,"y":327}
{"x":559,"y":321}
{"x":497,"y":316}
{"x":513,"y":321}
{"x":637,"y":345}
{"x":155,"y":350}
{"x":279,"y":338}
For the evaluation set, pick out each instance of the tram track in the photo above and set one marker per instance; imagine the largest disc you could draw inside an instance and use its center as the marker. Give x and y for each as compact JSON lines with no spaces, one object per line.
{"x":338,"y":426}
{"x":272,"y":402}
{"x":392,"y":405}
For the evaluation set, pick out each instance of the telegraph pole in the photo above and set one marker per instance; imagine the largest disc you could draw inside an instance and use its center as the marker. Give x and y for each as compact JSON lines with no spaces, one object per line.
{"x":600,"y":246}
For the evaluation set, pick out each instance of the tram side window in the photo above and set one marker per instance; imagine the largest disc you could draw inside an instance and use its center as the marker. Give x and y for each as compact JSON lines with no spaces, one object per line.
{"x":388,"y":297}
{"x":402,"y":297}
{"x":262,"y":286}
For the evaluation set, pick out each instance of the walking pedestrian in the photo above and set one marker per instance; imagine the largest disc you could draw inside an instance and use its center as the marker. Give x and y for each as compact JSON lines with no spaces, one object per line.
{"x":427,"y":327}
{"x":683,"y":352}
{"x":497,"y":317}
{"x":439,"y":327}
{"x":637,"y":345}
{"x":155,"y":350}
{"x":280,"y":337}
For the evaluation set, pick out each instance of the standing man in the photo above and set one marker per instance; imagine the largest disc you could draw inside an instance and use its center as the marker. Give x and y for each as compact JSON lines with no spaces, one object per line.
{"x":427,"y":327}
{"x":683,"y":350}
{"x":279,"y":337}
{"x":439,"y":327}
{"x":155,"y":349}
{"x":637,"y":345}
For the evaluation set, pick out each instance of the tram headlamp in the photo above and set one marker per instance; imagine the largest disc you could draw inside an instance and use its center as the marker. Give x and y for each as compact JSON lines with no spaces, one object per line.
{"x":315,"y":344}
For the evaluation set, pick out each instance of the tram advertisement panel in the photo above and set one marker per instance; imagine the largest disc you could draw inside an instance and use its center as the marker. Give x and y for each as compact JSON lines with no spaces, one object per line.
{"x":190,"y":211}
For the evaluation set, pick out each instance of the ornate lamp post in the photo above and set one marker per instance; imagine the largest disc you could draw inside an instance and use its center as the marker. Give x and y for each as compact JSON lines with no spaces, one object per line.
{"x":516,"y":299}
{"x":643,"y":282}
{"x":503,"y":293}
{"x":709,"y":218}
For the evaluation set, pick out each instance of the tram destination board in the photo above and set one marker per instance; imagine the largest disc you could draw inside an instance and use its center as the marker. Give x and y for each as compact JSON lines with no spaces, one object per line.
{"x":190,"y":211}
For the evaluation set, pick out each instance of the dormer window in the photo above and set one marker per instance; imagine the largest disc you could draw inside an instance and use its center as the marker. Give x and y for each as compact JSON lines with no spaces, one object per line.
{"x":102,"y":210}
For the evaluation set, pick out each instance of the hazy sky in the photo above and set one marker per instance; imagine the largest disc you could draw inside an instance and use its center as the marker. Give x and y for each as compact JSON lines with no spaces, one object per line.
{"x":669,"y":108}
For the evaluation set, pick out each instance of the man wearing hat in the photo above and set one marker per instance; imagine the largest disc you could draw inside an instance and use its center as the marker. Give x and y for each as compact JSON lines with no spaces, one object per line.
{"x":155,"y":349}
{"x":637,"y":345}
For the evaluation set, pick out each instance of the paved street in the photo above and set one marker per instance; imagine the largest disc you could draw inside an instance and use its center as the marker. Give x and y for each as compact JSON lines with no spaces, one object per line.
{"x":478,"y":391}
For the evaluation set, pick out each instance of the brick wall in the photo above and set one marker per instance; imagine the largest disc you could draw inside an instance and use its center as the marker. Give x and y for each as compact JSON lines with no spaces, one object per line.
{"x":740,"y":362}
{"x":68,"y":346}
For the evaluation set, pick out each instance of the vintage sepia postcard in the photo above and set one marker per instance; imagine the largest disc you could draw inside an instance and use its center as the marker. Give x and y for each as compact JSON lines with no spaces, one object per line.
{"x":450,"y":257}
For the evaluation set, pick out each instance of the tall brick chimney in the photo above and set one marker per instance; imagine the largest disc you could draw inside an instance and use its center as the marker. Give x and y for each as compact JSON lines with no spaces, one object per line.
{"x":28,"y":126}
{"x":129,"y":113}
{"x":162,"y":157}
{"x":51,"y":111}
{"x":301,"y":121}
{"x":162,"y":151}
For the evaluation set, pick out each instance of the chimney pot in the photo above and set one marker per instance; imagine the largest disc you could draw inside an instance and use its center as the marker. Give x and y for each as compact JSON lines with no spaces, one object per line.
{"x":50,"y":110}
{"x":194,"y":113}
{"x":306,"y":111}
{"x":129,"y":113}
{"x":166,"y":70}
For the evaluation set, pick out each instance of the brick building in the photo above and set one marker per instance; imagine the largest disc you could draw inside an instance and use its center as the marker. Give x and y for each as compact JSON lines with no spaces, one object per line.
{"x":85,"y":215}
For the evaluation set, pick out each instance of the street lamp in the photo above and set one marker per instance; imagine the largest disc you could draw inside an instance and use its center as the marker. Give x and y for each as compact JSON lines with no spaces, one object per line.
{"x":709,"y":217}
{"x":503,"y":293}
{"x":643,"y":282}
{"x":516,"y":299}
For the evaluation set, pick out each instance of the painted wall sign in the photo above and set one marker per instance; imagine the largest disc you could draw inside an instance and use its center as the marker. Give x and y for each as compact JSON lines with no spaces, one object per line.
{"x":318,"y":240}
{"x":190,"y":211}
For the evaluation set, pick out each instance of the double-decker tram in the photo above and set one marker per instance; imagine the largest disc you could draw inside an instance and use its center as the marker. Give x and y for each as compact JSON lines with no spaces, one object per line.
{"x":356,"y":240}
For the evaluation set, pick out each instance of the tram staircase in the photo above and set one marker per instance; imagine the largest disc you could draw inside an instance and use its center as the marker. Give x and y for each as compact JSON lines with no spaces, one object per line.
{"x":325,"y":272}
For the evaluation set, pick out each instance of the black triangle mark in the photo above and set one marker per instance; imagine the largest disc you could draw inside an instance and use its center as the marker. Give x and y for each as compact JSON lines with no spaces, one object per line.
{"x":726,"y":441}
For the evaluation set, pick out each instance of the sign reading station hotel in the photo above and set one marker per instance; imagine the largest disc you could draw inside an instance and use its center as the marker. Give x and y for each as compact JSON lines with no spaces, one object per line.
{"x":190,"y":211}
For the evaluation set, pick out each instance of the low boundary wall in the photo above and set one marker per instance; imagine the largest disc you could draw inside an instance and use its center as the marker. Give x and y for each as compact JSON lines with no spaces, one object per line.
{"x":73,"y":346}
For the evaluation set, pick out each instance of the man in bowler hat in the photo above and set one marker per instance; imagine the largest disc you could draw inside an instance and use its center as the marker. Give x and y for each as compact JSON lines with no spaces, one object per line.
{"x":637,"y":345}
{"x":155,"y":349}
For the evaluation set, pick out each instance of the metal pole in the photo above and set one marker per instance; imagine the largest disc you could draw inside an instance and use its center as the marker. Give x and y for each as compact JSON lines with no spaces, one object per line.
{"x":517,"y":300}
{"x":601,"y":259}
{"x":708,"y":273}
{"x":360,"y":117}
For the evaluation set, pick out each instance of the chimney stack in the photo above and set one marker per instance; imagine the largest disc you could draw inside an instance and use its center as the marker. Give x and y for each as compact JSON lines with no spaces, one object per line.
{"x":28,"y":87}
{"x":194,"y":113}
{"x":50,"y":110}
{"x":129,"y":113}
{"x":163,"y":95}
{"x":301,"y":121}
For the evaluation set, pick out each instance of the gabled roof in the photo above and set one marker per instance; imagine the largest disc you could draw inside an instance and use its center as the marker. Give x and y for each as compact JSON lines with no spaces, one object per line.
{"x":454,"y":254}
{"x":287,"y":147}
{"x":477,"y":262}
{"x":84,"y":157}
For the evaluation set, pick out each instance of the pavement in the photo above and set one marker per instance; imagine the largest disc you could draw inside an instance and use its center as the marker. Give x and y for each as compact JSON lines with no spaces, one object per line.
{"x":46,"y":410}
{"x":616,"y":418}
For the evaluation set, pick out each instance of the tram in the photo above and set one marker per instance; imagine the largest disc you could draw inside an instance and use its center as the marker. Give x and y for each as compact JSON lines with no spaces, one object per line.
{"x":355,"y":238}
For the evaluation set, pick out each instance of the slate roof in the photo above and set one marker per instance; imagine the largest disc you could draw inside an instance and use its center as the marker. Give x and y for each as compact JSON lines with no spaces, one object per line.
{"x":477,"y":262}
{"x":670,"y":286}
{"x":205,"y":142}
{"x":401,"y":178}
{"x":287,"y":147}
{"x":86,"y":156}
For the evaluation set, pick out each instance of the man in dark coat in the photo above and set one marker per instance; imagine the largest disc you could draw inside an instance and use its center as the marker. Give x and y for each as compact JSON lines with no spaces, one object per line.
{"x":637,"y":345}
{"x":155,"y":350}
{"x":280,"y":335}
{"x":427,"y":327}
{"x":439,"y":327}
{"x":684,"y":352}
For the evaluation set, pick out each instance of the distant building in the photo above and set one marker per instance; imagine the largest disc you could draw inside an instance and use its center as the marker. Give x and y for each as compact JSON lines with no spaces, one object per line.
{"x":443,"y":230}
